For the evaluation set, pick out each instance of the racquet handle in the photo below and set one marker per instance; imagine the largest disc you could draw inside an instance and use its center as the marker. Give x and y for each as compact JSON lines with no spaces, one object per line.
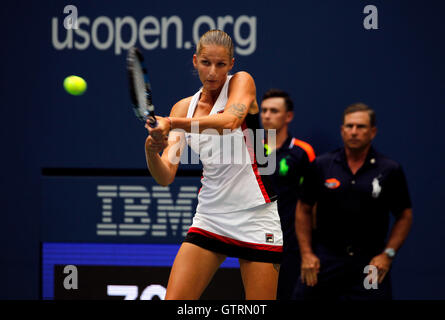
{"x":152,"y":122}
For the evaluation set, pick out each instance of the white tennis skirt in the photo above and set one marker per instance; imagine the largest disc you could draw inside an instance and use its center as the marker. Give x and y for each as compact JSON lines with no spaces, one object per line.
{"x":252,"y":234}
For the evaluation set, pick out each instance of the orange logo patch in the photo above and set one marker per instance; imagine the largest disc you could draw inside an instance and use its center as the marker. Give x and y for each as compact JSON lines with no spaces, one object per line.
{"x":332,"y":183}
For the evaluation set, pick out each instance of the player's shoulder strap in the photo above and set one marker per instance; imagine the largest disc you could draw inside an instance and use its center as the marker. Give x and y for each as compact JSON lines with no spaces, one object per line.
{"x":193,"y":103}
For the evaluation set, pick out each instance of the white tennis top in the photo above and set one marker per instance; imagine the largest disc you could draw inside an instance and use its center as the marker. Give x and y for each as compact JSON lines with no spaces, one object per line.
{"x":230,"y":181}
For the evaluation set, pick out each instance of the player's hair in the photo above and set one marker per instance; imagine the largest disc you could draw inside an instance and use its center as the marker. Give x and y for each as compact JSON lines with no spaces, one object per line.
{"x":215,"y":37}
{"x":277,"y":93}
{"x":359,"y":106}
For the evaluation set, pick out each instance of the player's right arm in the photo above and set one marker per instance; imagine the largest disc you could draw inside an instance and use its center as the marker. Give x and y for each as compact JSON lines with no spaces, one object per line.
{"x":163,"y":168}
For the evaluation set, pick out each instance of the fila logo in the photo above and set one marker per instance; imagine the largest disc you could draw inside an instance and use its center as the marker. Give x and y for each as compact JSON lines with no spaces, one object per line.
{"x":269,"y":238}
{"x":125,"y":210}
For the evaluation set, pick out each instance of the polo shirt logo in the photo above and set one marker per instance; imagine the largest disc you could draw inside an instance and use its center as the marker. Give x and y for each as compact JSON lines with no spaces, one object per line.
{"x":332,"y":183}
{"x":284,"y":167}
{"x":376,"y":188}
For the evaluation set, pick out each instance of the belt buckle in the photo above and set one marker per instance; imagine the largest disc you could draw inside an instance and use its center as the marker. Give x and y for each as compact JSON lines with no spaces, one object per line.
{"x":350,"y":251}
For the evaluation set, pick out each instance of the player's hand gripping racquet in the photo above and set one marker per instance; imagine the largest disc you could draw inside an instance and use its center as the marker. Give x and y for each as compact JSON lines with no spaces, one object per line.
{"x":140,"y":87}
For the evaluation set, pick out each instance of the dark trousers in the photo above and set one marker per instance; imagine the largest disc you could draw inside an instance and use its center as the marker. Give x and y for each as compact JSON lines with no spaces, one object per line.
{"x":342,"y":277}
{"x":289,"y":273}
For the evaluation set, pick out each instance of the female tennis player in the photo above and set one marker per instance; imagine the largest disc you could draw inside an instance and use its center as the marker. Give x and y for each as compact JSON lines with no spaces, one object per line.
{"x":237,"y":213}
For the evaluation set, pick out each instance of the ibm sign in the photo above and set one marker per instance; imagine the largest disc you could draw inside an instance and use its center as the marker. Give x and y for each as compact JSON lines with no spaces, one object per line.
{"x":117,"y":209}
{"x":175,"y":210}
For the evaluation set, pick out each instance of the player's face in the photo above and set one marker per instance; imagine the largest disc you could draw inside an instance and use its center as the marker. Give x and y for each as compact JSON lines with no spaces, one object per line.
{"x":274,"y":114}
{"x":213,"y":64}
{"x":356,"y":130}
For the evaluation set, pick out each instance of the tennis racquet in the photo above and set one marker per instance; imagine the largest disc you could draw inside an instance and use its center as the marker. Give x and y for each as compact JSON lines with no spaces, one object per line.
{"x":140,"y":87}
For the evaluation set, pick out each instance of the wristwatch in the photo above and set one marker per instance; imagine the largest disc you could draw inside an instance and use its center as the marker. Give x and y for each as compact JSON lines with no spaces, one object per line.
{"x":390,"y":252}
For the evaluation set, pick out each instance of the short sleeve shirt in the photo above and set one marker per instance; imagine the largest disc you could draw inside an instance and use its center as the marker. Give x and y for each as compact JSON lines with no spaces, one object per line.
{"x":292,"y":161}
{"x":353,"y":209}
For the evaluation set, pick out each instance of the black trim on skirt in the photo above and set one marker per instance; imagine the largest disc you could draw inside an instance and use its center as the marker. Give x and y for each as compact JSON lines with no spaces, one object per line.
{"x":232,"y":250}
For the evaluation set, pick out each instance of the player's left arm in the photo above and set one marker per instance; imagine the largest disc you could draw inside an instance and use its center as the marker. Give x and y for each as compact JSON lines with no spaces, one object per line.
{"x":241,"y":100}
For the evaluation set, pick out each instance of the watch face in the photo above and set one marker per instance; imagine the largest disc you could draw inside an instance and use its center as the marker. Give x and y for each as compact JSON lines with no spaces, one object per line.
{"x":390,"y":252}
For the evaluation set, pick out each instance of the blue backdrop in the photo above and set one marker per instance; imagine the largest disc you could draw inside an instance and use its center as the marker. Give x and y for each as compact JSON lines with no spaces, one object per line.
{"x":319,"y":51}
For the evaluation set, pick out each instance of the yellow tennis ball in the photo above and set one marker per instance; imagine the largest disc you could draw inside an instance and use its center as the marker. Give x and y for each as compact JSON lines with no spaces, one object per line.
{"x":75,"y":85}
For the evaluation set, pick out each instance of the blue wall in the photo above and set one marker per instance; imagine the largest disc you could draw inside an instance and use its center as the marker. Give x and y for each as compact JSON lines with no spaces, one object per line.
{"x":319,"y":51}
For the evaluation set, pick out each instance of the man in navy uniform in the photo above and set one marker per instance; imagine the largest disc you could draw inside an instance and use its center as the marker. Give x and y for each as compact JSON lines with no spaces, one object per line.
{"x":292,"y":157}
{"x":355,"y":188}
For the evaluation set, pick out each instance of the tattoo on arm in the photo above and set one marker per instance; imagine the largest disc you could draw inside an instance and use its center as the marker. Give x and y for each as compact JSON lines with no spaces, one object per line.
{"x":276,"y":267}
{"x":237,"y":110}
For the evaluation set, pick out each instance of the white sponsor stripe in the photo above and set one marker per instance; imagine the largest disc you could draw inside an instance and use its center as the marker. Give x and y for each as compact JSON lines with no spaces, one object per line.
{"x":165,"y":201}
{"x":107,"y":194}
{"x":159,"y":233}
{"x":145,"y":220}
{"x":106,"y":233}
{"x":159,"y":188}
{"x":136,"y":214}
{"x":162,"y":195}
{"x":106,"y":226}
{"x":106,"y":200}
{"x":162,"y":220}
{"x":169,"y":208}
{"x":132,"y":188}
{"x":106,"y":188}
{"x":185,"y":188}
{"x":132,"y":233}
{"x":136,"y":207}
{"x":106,"y":213}
{"x":133,"y":226}
{"x":174,"y":214}
{"x":128,"y":220}
{"x":184,"y":201}
{"x":134,"y":194}
{"x":145,"y":201}
{"x":159,"y":227}
{"x":162,"y":214}
{"x":129,"y":200}
{"x":187,"y":195}
{"x":105,"y":220}
{"x":106,"y":207}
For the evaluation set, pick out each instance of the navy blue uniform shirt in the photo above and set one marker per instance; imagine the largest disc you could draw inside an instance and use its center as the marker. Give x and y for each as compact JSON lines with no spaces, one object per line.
{"x":353,"y":210}
{"x":292,"y":160}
